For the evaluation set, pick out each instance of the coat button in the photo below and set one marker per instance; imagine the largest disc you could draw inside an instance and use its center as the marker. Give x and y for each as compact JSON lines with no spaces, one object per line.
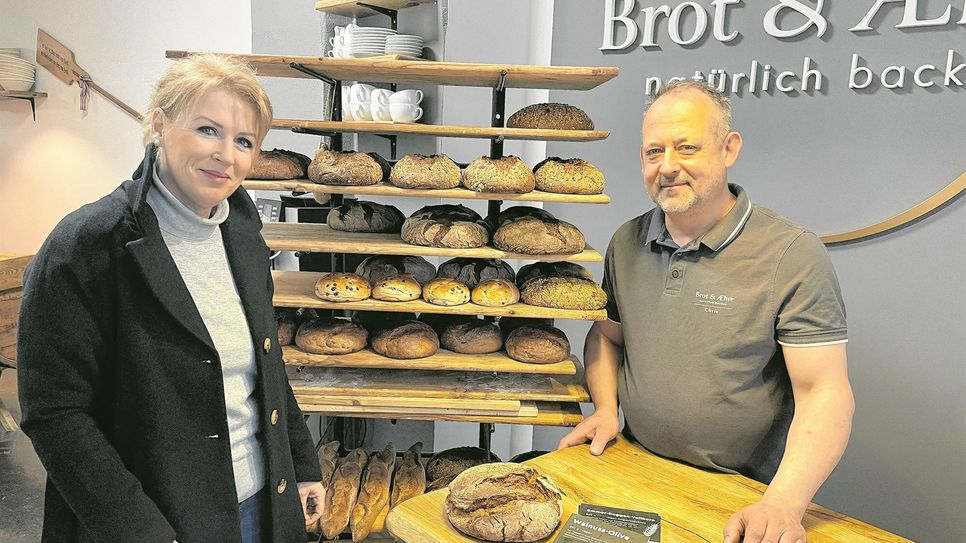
{"x":281,"y":486}
{"x":274,"y":417}
{"x":267,"y":345}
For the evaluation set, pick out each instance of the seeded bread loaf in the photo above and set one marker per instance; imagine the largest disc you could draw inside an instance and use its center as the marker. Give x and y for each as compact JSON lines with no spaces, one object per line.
{"x":473,"y":337}
{"x":564,"y":293}
{"x":410,"y":478}
{"x":495,"y":293}
{"x":373,"y":492}
{"x":342,"y":287}
{"x":537,"y":344}
{"x":331,"y":335}
{"x":452,"y":226}
{"x":377,"y":268}
{"x":568,"y":176}
{"x":405,"y":340}
{"x":347,"y":168}
{"x":551,"y":116}
{"x":507,"y":174}
{"x":280,"y":164}
{"x":449,"y":463}
{"x":363,"y":216}
{"x":425,"y":172}
{"x":445,"y":291}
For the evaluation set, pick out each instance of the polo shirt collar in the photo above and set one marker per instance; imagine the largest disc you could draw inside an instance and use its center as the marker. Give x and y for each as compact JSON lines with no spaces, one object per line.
{"x":720,"y":234}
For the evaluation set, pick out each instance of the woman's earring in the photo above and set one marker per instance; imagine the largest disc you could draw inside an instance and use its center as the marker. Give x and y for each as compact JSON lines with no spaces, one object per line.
{"x":157,"y":141}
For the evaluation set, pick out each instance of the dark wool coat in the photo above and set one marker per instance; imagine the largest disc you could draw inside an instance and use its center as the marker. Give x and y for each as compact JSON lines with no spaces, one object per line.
{"x":121,"y":386}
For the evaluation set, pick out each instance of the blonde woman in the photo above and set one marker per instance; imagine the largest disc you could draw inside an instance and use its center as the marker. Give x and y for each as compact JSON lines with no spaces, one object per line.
{"x":150,"y":379}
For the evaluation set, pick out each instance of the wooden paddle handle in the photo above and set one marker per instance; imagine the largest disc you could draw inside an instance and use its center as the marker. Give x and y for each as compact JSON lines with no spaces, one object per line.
{"x":128,"y":109}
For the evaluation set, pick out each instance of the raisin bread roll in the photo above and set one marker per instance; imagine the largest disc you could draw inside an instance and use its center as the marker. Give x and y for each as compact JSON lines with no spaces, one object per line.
{"x":445,"y":291}
{"x":470,"y":271}
{"x":363,"y":216}
{"x":504,"y":502}
{"x":495,"y":293}
{"x":537,"y":344}
{"x":551,"y":116}
{"x":568,"y":176}
{"x":340,"y":496}
{"x":406,"y":340}
{"x":397,"y":288}
{"x":373,"y":492}
{"x":347,"y":168}
{"x":508,"y":174}
{"x":342,"y":287}
{"x":280,"y":164}
{"x":377,"y":268}
{"x":534,"y":231}
{"x":452,"y":226}
{"x":425,"y":172}
{"x":330,"y":335}
{"x":410,"y":478}
{"x":473,"y":337}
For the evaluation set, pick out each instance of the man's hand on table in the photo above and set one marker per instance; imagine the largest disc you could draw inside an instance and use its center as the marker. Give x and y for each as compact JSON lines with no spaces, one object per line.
{"x":600,"y":429}
{"x":313,"y":501}
{"x":770,"y":520}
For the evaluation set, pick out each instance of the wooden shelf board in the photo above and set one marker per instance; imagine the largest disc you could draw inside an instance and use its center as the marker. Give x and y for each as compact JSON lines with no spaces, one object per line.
{"x":379,"y":403}
{"x":297,"y":289}
{"x":442,"y":360}
{"x":386,"y":189}
{"x":441,"y":131}
{"x":421,"y":72}
{"x":316,"y":403}
{"x":21,"y":94}
{"x":548,"y":414}
{"x":350,"y":8}
{"x":319,"y":238}
{"x":307,"y":382}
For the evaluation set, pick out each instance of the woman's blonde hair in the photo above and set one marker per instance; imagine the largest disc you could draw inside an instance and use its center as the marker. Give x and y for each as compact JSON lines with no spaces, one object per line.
{"x":188,"y":79}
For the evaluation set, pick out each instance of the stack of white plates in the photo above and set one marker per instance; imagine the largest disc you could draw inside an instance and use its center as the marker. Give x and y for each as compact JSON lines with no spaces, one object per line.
{"x":367,"y":42}
{"x":405,"y":44}
{"x":16,"y":74}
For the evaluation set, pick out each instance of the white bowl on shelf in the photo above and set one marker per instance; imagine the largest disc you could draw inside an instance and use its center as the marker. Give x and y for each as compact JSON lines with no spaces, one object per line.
{"x":10,"y":51}
{"x":14,"y":61}
{"x":16,"y":84}
{"x":16,"y":71}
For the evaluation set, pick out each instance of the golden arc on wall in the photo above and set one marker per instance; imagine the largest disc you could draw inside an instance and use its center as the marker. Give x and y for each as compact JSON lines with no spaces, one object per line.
{"x":910,"y":216}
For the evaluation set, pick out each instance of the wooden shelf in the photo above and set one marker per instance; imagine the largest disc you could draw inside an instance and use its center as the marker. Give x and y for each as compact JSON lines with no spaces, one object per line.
{"x":319,"y":238}
{"x":445,"y":385}
{"x":421,"y":72}
{"x":548,"y":414}
{"x":441,"y":131}
{"x":443,"y":360}
{"x":386,"y":189}
{"x":297,"y":289}
{"x":10,"y":95}
{"x":351,"y":8}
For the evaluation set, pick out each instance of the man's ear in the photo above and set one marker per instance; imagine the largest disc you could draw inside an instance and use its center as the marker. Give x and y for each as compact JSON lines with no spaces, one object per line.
{"x":732,"y":147}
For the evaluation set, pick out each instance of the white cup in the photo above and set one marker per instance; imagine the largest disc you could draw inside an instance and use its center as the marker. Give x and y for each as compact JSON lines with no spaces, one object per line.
{"x":380,"y":112}
{"x":408,"y":96}
{"x":339,"y":30}
{"x":380,"y":96}
{"x":360,"y":110}
{"x":346,"y":111}
{"x":336,"y":53}
{"x":337,"y":41}
{"x":405,"y":113}
{"x":360,"y":92}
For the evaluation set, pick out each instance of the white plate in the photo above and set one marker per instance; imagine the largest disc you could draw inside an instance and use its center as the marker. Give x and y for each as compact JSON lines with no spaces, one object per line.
{"x":17,"y":61}
{"x":7,"y":74}
{"x":367,"y":55}
{"x":404,"y":50}
{"x":372,"y":33}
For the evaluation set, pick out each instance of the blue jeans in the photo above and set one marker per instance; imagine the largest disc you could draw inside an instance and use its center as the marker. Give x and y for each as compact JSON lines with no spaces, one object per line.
{"x":254,"y":517}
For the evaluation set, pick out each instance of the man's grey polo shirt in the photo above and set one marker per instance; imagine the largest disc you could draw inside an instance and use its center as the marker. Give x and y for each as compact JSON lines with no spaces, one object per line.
{"x":703,"y":378}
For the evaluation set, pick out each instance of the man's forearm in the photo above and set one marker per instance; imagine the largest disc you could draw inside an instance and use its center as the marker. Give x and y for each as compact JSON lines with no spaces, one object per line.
{"x":601,"y":360}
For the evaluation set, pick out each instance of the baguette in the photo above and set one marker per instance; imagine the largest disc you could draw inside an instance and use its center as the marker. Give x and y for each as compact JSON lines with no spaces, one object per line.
{"x":410,"y":478}
{"x":374,"y":492}
{"x":328,"y":455}
{"x":340,"y":497}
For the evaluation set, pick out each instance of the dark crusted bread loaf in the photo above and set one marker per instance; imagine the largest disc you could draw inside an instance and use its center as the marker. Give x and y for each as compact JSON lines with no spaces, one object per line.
{"x":564,"y":293}
{"x":504,"y":502}
{"x":342,"y":287}
{"x":375,"y":320}
{"x":330,"y":335}
{"x":519,"y":212}
{"x":537,"y":233}
{"x":453,"y":226}
{"x":347,"y":168}
{"x":451,"y":462}
{"x":556,"y":269}
{"x":364,"y":216}
{"x":280,"y":164}
{"x":470,"y":271}
{"x":568,"y":176}
{"x":425,"y":172}
{"x":286,"y":321}
{"x":397,"y":288}
{"x":410,"y":478}
{"x":537,"y":344}
{"x":377,"y":268}
{"x":441,"y":321}
{"x":509,"y":324}
{"x":508,"y":174}
{"x":406,"y":340}
{"x":473,"y":337}
{"x":551,"y":115}
{"x":495,"y":293}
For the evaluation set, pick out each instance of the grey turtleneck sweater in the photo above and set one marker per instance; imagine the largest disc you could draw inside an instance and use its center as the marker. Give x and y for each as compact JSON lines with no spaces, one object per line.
{"x":197,"y":248}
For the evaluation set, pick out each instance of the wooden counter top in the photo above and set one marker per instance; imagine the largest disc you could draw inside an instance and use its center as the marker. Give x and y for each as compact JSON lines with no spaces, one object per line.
{"x":694,"y":504}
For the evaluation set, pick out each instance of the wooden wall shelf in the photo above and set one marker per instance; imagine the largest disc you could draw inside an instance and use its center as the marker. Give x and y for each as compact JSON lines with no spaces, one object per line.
{"x":297,"y":289}
{"x":386,"y":189}
{"x":351,"y":8}
{"x":440,"y":131}
{"x":548,"y":414}
{"x":319,"y":238}
{"x":443,"y":360}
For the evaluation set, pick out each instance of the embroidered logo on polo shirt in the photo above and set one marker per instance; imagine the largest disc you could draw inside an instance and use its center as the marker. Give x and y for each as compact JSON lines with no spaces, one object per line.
{"x":713,"y":303}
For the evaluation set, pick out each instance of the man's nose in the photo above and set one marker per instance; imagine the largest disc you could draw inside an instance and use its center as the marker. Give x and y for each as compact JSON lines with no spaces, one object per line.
{"x":669,"y":163}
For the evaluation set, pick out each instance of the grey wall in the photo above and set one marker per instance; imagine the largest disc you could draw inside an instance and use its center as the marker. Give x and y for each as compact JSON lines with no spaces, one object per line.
{"x":833,"y":161}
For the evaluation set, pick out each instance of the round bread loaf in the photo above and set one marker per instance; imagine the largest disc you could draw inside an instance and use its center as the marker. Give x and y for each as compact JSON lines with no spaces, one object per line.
{"x":563,"y":293}
{"x":329,"y":335}
{"x":504,"y":502}
{"x":286,"y":321}
{"x":537,"y":344}
{"x":519,"y":212}
{"x":551,"y":115}
{"x":377,"y":268}
{"x":406,"y":340}
{"x":558,"y":269}
{"x":347,"y":168}
{"x":441,"y":321}
{"x":495,"y":293}
{"x":363,"y":216}
{"x":539,"y":236}
{"x":280,"y":164}
{"x":509,"y":324}
{"x":473,"y":337}
{"x":568,"y":176}
{"x":508,"y":174}
{"x":445,"y":291}
{"x":452,"y":226}
{"x":375,"y":320}
{"x":449,"y":463}
{"x":342,"y":287}
{"x":397,"y":288}
{"x":470,"y":271}
{"x":425,"y":172}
